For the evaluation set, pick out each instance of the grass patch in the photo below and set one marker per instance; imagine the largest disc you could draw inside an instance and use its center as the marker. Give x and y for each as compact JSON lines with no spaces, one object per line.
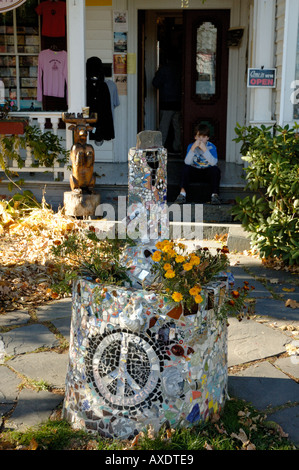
{"x":239,"y":427}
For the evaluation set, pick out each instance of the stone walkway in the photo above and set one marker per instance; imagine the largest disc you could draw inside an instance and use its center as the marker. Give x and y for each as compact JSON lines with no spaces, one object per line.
{"x":261,"y":369}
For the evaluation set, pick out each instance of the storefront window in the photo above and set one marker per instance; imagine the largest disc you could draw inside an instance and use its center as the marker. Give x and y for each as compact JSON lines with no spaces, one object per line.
{"x":25,"y":33}
{"x":19,"y":49}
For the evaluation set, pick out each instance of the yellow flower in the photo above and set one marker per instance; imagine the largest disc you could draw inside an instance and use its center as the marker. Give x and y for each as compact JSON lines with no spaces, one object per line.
{"x":167,"y":266}
{"x":187,"y":266}
{"x":156,"y":256}
{"x":159,"y":245}
{"x":194,"y":290}
{"x":182,"y":246}
{"x":198,"y":299}
{"x":168,"y":249}
{"x":177,"y":297}
{"x":170,"y":274}
{"x":180,"y":259}
{"x":172,"y":253}
{"x":195,"y":260}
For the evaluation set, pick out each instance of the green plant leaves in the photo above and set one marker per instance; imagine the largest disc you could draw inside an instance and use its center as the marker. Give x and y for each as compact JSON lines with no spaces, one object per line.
{"x":271,"y":214}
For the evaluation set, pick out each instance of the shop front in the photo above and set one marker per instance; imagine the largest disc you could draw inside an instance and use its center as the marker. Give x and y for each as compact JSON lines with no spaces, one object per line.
{"x":45,"y":46}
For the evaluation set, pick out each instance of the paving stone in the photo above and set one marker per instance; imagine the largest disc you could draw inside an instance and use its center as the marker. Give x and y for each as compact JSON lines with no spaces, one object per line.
{"x":59,"y":309}
{"x":9,"y":383}
{"x":289,"y":365}
{"x":249,"y":341}
{"x":64,"y":327}
{"x":264,"y":386}
{"x":288,"y":419}
{"x":48,"y":366}
{"x":33,"y":408}
{"x":28,"y":338}
{"x":17,"y":317}
{"x":276,"y":309}
{"x":259,"y":291}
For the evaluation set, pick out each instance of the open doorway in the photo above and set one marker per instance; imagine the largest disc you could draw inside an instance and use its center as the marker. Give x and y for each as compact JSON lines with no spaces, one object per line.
{"x":160,"y":46}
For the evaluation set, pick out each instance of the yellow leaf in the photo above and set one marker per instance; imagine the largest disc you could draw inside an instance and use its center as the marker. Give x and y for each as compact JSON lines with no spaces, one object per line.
{"x":286,"y":289}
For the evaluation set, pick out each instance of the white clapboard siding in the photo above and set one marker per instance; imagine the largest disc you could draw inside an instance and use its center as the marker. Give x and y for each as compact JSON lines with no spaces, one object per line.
{"x":280,"y":20}
{"x":99,"y":43}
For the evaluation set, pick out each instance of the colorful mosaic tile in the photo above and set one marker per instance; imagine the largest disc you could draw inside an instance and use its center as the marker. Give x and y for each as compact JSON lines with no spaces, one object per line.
{"x":136,"y":360}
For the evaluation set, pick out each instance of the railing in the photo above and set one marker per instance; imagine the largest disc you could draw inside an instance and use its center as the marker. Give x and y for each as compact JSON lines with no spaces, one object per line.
{"x":45,"y":121}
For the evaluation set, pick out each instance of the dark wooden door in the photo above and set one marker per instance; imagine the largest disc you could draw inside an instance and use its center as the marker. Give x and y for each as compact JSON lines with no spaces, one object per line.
{"x":206,"y":74}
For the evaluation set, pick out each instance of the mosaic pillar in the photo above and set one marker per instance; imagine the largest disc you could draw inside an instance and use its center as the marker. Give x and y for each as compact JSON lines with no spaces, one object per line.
{"x":147,"y":187}
{"x":137,"y":361}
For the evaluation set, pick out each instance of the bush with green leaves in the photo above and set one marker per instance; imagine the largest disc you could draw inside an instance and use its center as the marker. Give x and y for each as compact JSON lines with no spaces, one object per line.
{"x":47,"y":148}
{"x":272,"y":174}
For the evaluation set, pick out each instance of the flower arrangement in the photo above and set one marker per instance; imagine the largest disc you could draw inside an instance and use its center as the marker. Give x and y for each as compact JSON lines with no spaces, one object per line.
{"x":181,"y":275}
{"x":9,"y":105}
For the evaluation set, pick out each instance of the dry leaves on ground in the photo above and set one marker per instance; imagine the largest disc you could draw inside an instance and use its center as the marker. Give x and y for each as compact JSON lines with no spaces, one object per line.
{"x":27,"y":266}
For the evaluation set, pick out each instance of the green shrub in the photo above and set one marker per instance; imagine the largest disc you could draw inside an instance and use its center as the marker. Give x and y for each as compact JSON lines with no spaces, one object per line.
{"x":271,"y":214}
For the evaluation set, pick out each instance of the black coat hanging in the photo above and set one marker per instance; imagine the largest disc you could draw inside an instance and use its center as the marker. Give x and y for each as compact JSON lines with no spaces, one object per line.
{"x":98,"y":100}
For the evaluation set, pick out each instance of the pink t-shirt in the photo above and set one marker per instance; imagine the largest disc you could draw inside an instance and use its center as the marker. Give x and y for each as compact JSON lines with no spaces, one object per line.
{"x":52,"y":73}
{"x":53,"y":14}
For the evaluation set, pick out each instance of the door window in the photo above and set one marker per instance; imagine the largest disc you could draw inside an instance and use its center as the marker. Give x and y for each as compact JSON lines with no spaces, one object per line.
{"x":206,"y":48}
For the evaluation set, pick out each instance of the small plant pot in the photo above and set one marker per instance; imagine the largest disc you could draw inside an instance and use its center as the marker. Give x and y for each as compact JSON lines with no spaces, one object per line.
{"x":137,"y":361}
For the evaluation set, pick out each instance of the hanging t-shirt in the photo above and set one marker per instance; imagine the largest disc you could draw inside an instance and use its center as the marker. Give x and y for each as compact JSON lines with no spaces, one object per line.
{"x":51,"y":73}
{"x":113,"y":95}
{"x":53,"y":15}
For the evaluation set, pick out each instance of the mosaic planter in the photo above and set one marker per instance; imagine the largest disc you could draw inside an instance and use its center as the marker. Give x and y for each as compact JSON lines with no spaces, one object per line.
{"x":137,"y":361}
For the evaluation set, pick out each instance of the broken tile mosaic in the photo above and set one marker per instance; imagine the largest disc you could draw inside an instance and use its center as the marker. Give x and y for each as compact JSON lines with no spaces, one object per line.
{"x":135,"y":360}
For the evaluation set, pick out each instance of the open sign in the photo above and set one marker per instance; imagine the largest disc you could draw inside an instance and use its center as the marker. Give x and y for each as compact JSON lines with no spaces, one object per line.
{"x":263,"y":78}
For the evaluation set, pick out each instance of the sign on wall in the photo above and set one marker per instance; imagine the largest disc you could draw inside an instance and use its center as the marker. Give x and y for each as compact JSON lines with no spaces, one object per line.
{"x":6,"y":5}
{"x":262,"y":78}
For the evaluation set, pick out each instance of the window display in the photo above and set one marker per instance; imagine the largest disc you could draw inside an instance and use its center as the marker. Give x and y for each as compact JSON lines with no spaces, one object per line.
{"x":53,"y":17}
{"x":26,"y":34}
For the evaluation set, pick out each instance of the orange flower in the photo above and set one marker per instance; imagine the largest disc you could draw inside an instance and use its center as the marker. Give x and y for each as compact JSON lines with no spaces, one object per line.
{"x":235,"y":294}
{"x":194,"y":290}
{"x":195,"y":260}
{"x":170,"y":274}
{"x":156,"y":256}
{"x":177,"y":296}
{"x":167,"y":266}
{"x":187,"y":266}
{"x":198,"y":299}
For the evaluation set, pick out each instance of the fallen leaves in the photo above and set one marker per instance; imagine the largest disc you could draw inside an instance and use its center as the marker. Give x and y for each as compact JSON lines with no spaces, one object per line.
{"x":242,"y":436}
{"x":292,"y":303}
{"x":26,"y":269}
